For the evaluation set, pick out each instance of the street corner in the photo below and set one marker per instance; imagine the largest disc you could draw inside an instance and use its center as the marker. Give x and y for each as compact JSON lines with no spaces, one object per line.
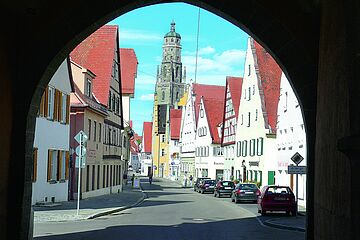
{"x":286,"y":223}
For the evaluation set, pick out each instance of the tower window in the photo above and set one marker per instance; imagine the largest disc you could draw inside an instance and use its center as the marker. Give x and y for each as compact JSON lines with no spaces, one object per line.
{"x":163,"y":95}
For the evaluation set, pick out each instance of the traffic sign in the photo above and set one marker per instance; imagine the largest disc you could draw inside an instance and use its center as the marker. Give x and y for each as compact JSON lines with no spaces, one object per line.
{"x":296,"y":169}
{"x":82,"y":161}
{"x":80,"y":150}
{"x":297,"y":158}
{"x":81,"y":137}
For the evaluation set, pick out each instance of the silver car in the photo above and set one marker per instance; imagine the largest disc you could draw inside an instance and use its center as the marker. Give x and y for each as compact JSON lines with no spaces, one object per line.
{"x":245,"y":192}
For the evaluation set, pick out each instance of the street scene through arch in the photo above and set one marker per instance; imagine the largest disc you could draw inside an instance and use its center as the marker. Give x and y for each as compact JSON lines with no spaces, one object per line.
{"x":242,"y":128}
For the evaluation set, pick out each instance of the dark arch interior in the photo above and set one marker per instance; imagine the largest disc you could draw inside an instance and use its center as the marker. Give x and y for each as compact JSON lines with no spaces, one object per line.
{"x":313,"y":42}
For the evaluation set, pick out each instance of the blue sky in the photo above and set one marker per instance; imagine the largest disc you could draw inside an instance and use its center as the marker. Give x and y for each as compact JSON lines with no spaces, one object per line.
{"x":222,"y":48}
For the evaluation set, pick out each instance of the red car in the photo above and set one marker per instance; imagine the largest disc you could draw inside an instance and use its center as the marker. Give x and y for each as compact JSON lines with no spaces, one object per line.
{"x":276,"y":198}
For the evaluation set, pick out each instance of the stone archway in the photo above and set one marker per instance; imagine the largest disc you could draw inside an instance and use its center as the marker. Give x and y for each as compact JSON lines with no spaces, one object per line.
{"x":304,"y":40}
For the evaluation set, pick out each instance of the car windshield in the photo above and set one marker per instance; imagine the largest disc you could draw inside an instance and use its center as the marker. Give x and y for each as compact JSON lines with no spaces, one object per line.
{"x":247,"y":186}
{"x":278,"y":190}
{"x":210,"y":182}
{"x":228,"y":184}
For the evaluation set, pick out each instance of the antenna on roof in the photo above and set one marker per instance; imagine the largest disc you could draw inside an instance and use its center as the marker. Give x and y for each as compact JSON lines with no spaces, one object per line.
{"x":197,"y":44}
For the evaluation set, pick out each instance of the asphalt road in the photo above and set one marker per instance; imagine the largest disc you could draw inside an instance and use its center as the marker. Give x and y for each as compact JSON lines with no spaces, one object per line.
{"x":171,"y":212}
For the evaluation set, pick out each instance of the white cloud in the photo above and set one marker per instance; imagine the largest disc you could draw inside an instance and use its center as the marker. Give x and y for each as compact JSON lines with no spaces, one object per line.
{"x":202,"y":51}
{"x":147,"y":97}
{"x":233,"y":56}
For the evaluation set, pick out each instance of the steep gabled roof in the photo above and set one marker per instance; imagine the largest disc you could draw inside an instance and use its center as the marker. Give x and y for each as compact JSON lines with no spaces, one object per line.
{"x":128,"y":69}
{"x":134,"y":147}
{"x":97,"y":53}
{"x":269,"y":75}
{"x":175,"y":122}
{"x":235,"y":86}
{"x":208,"y":92}
{"x":147,"y":137}
{"x":214,"y":113}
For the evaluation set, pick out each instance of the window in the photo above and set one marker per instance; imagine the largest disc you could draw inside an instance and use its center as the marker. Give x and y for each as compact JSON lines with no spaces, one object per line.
{"x":35,"y":157}
{"x":259,"y":146}
{"x":249,"y":119}
{"x":88,"y":87}
{"x":162,"y":137}
{"x":51,"y":97}
{"x":58,"y":165}
{"x":113,"y":102}
{"x":201,"y":111}
{"x":286,"y":101}
{"x":238,"y":149}
{"x":99,"y":132}
{"x":162,"y":95}
{"x":249,"y":94}
{"x":244,"y":148}
{"x":109,"y":103}
{"x":89,"y":128}
{"x":252,"y":147}
{"x":64,"y":109}
{"x":249,"y":72}
{"x":253,"y":89}
{"x":95,"y":131}
{"x":256,"y":115}
{"x":162,"y":152}
{"x":242,"y":119}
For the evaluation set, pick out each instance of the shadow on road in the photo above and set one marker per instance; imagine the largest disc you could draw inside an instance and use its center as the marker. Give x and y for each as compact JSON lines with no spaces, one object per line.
{"x":194,"y":229}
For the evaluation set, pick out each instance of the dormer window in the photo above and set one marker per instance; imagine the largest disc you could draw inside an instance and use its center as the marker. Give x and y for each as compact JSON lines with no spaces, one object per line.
{"x":88,"y":87}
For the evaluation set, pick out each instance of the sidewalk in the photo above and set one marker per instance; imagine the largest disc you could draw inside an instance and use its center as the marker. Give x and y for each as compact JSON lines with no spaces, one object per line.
{"x":91,"y":207}
{"x":297,"y":223}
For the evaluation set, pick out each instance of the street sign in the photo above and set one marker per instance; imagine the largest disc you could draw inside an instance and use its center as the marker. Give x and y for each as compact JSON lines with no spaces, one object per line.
{"x":297,"y":158}
{"x":296,"y":169}
{"x":82,"y":161}
{"x":80,"y":150}
{"x":81,"y":137}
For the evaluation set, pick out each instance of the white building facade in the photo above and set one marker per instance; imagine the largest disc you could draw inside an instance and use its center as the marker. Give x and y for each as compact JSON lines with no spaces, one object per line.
{"x":291,"y":139}
{"x":256,"y":126}
{"x":231,"y":109}
{"x":209,"y":157}
{"x":51,"y":143}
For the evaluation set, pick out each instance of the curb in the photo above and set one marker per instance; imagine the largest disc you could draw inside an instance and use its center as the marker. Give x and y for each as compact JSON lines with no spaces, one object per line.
{"x":96,"y":215}
{"x":281,"y":226}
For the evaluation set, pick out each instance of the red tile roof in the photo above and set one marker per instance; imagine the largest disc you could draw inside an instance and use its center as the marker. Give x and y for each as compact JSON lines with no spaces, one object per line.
{"x":269,"y":75}
{"x":147,"y":137}
{"x":214,"y":113}
{"x":209,"y":92}
{"x":235,"y":86}
{"x":97,"y":53}
{"x":175,"y":122}
{"x":134,"y":147}
{"x":128,"y":69}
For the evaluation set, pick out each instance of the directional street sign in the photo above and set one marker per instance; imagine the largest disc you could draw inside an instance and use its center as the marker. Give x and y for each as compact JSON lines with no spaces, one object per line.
{"x":296,"y":169}
{"x":82,"y":161}
{"x":80,"y":150}
{"x":81,"y":137}
{"x":297,"y":158}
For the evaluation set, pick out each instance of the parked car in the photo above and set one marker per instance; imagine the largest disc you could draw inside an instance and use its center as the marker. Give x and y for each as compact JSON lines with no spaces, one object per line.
{"x":245,"y":192}
{"x":276,"y":198}
{"x":207,"y":185}
{"x":197,"y":182}
{"x":224,"y":188}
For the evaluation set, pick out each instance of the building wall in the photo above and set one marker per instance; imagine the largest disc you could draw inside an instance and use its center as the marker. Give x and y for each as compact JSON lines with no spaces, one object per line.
{"x":251,"y":125}
{"x":291,"y":138}
{"x":51,"y":134}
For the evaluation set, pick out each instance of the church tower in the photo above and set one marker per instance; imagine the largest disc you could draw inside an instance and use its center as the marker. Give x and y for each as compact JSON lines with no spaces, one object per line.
{"x":171,"y":78}
{"x":169,"y":88}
